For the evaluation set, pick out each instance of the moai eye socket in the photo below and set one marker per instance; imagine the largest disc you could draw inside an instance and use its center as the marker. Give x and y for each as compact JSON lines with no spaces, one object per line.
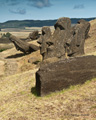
{"x":77,"y":45}
{"x":67,"y":44}
{"x":43,"y":33}
{"x":59,"y":26}
{"x":39,"y":41}
{"x":74,"y":33}
{"x":49,"y":43}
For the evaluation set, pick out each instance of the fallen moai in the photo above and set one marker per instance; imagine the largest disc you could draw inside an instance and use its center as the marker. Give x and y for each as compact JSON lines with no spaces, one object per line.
{"x":22,"y":45}
{"x":62,"y":74}
{"x":34,"y":35}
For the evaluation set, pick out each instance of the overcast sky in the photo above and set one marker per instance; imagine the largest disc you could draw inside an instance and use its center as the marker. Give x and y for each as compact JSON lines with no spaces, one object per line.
{"x":46,"y":9}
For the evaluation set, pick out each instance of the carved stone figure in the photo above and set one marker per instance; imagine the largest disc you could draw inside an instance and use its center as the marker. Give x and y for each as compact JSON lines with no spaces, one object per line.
{"x":22,"y":45}
{"x":65,"y":41}
{"x":34,"y":35}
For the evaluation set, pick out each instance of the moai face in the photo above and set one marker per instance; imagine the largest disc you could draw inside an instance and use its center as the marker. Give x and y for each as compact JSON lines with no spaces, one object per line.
{"x":46,"y":33}
{"x":80,"y":32}
{"x":63,"y":23}
{"x":55,"y":44}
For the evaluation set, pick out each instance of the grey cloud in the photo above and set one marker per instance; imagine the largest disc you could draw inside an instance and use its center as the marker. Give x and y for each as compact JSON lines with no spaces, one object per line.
{"x":39,"y":3}
{"x":80,"y":6}
{"x":12,"y":2}
{"x":34,"y":3}
{"x":18,"y":11}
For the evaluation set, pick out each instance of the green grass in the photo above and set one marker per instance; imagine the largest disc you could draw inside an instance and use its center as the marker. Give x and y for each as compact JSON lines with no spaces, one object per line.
{"x":2,"y":50}
{"x":72,"y":87}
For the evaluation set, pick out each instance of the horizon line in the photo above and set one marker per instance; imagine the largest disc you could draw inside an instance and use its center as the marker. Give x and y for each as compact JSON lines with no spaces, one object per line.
{"x":48,"y":19}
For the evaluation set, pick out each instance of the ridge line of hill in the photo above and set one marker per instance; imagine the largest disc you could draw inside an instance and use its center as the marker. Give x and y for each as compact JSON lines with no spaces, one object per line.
{"x":35,"y":23}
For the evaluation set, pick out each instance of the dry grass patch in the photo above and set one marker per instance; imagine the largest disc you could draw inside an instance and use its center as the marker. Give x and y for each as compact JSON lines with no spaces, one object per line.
{"x":17,"y":101}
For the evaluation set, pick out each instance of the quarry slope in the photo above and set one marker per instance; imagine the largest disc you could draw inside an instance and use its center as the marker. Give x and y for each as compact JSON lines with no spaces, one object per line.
{"x":18,"y":100}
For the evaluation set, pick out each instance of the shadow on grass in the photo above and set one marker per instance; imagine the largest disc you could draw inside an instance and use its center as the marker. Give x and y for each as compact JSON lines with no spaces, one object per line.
{"x":33,"y":91}
{"x":16,"y":55}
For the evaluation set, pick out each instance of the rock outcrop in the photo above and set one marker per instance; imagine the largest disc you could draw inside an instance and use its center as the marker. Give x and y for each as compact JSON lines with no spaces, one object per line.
{"x":22,"y":45}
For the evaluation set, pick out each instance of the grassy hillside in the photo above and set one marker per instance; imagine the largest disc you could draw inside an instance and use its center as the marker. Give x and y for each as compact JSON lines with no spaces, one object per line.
{"x":18,"y":100}
{"x":34,"y":23}
{"x":18,"y":103}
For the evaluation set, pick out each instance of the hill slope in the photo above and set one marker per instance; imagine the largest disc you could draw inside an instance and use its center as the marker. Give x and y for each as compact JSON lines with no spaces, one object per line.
{"x":18,"y":100}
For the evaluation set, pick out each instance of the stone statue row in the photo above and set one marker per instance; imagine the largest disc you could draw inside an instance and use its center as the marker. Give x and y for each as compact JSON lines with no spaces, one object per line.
{"x":66,"y":41}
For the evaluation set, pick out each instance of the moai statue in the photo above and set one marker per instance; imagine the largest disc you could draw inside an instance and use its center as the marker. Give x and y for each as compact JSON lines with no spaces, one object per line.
{"x":34,"y":35}
{"x":46,"y":33}
{"x":53,"y":45}
{"x":59,"y":38}
{"x":80,"y":33}
{"x":22,"y":45}
{"x":66,"y":41}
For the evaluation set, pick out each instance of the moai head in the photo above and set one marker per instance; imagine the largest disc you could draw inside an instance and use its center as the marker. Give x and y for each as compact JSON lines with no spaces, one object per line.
{"x":62,"y":30}
{"x":63,"y":23}
{"x":54,"y":46}
{"x":86,"y":26}
{"x":34,"y":35}
{"x":46,"y":33}
{"x":79,"y":33}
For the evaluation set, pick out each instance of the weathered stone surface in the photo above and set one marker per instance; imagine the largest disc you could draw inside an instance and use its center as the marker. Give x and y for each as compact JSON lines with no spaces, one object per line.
{"x":75,"y":46}
{"x":34,"y":60}
{"x":65,"y":41}
{"x":22,"y":45}
{"x":46,"y":33}
{"x":86,"y":26}
{"x":62,"y":74}
{"x":34,"y":35}
{"x":63,"y":23}
{"x":53,"y":45}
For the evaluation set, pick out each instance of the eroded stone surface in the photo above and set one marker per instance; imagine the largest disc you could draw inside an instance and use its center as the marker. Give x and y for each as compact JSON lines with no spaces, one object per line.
{"x":62,"y":74}
{"x":46,"y":33}
{"x":34,"y":35}
{"x":65,"y":41}
{"x":22,"y":45}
